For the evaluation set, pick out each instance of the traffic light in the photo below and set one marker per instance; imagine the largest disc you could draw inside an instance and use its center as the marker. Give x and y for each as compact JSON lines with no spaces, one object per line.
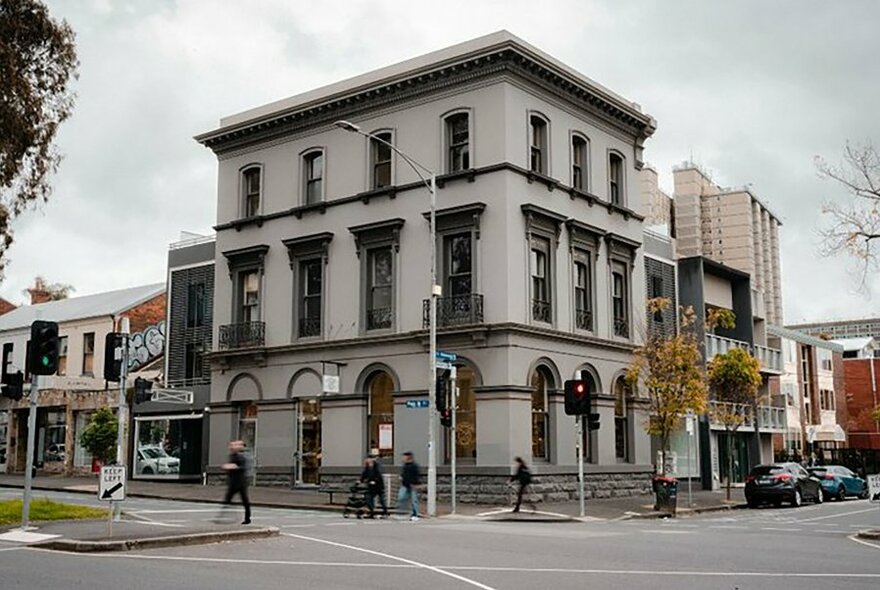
{"x":577,"y":397}
{"x":142,"y":390}
{"x":13,"y":386}
{"x":113,"y":343}
{"x":593,"y":421}
{"x":43,"y":358}
{"x":441,"y":393}
{"x":446,"y":417}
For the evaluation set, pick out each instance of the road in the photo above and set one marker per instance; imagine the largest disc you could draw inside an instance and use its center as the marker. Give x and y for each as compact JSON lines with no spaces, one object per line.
{"x":778,"y":548}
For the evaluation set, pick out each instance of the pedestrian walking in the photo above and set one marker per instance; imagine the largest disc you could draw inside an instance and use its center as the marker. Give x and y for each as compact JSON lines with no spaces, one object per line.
{"x":410,"y":479}
{"x":523,"y":477}
{"x":372,"y":477}
{"x":236,"y":478}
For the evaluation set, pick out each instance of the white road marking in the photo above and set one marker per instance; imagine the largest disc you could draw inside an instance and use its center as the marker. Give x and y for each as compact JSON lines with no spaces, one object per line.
{"x":437,"y":570}
{"x":728,"y":526}
{"x":10,"y":549}
{"x":770,"y":528}
{"x":297,"y":526}
{"x":661,"y":572}
{"x":661,"y":532}
{"x":837,"y":515}
{"x":339,"y":524}
{"x":863,"y":542}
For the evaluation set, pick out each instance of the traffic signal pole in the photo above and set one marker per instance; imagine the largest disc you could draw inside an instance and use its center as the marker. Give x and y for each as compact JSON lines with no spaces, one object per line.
{"x":31,"y":440}
{"x":579,"y":420}
{"x":123,"y":404}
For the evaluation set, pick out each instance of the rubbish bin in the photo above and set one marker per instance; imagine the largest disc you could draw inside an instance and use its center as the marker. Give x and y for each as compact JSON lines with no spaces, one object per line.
{"x":665,"y":494}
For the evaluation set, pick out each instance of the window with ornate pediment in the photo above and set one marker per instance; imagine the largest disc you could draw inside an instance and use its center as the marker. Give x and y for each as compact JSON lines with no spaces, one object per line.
{"x":377,"y":246}
{"x":308,"y":257}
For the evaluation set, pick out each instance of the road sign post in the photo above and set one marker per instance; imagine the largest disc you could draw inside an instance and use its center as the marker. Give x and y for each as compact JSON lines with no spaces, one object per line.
{"x":874,"y":488}
{"x":111,"y":488}
{"x":31,"y":440}
{"x":454,"y":437}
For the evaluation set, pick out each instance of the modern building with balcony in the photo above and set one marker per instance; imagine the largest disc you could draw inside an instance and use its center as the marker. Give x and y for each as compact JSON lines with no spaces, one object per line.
{"x":170,"y":434}
{"x":703,"y":285}
{"x":322,"y":282}
{"x":810,"y":391}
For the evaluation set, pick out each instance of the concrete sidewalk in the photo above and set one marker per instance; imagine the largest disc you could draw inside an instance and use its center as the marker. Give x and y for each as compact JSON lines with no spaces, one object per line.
{"x":306,"y":499}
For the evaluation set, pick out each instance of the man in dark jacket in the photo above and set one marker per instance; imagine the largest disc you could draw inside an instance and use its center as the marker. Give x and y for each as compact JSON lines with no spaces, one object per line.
{"x":523,"y":477}
{"x":410,"y":479}
{"x":372,"y":476}
{"x":236,"y":478}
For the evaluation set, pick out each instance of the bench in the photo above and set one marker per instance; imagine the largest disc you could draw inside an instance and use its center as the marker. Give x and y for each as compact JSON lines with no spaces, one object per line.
{"x":335,"y":489}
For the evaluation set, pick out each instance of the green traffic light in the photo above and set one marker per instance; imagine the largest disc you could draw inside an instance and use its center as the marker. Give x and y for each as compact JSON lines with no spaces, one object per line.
{"x":45,"y":360}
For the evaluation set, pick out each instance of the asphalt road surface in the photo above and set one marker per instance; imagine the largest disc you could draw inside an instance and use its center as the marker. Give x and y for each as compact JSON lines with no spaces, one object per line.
{"x":809,"y":547}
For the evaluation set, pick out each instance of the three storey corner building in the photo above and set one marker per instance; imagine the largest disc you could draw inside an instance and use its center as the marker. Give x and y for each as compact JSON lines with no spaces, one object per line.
{"x":323,"y":268}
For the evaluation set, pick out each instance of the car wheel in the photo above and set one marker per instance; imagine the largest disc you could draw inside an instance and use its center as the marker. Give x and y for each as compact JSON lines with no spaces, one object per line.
{"x":841,"y":494}
{"x":797,"y":499}
{"x":864,"y":495}
{"x":820,"y":496}
{"x":147,"y":471}
{"x":752,"y":503}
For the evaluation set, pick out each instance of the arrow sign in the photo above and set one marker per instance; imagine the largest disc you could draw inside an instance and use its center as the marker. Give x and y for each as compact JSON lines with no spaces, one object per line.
{"x":108,"y":494}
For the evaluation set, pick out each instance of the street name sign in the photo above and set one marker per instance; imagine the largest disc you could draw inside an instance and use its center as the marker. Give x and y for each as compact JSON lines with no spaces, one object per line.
{"x":874,"y":488}
{"x":112,"y":485}
{"x":448,"y":357}
{"x":416,"y":403}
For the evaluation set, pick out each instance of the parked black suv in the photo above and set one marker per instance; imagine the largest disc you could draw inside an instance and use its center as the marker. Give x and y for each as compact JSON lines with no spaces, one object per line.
{"x":782,"y":482}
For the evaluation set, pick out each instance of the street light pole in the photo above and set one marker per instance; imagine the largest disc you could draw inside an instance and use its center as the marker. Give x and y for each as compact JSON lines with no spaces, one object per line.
{"x":436,"y":291}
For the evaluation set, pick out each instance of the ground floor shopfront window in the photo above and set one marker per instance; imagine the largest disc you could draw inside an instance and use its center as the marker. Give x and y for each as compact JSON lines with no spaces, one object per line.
{"x":167,"y":447}
{"x":466,"y":419}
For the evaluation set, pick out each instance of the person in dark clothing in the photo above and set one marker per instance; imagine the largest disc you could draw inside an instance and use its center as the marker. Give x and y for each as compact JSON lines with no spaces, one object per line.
{"x":523,"y":477}
{"x":372,"y":477}
{"x":236,"y":478}
{"x":410,"y":479}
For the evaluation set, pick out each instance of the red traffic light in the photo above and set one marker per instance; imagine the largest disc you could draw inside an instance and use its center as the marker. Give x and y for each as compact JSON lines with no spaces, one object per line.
{"x":579,"y":388}
{"x":577,"y":397}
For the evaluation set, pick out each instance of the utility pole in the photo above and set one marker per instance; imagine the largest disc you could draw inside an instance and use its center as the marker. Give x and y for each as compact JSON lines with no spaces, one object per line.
{"x":454,"y":437}
{"x":29,"y":468}
{"x":579,"y":420}
{"x":123,"y":404}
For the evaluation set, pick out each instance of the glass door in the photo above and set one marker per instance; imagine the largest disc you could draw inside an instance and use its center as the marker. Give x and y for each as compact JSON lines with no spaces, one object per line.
{"x":308,"y":441}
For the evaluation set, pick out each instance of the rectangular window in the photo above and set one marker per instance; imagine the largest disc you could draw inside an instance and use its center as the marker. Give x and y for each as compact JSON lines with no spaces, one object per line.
{"x":380,"y":157}
{"x":656,"y":293}
{"x":313,"y":167}
{"x":458,"y":140}
{"x":615,"y":179}
{"x":583,"y":295}
{"x":311,"y":284}
{"x":541,"y":309}
{"x":250,"y":297}
{"x":459,"y":265}
{"x":618,"y":301}
{"x":193,"y":360}
{"x":7,"y":357}
{"x":195,"y":305}
{"x":538,"y":144}
{"x":88,"y":353}
{"x":62,"y":355}
{"x":251,"y":189}
{"x":579,"y":163}
{"x":379,"y":289}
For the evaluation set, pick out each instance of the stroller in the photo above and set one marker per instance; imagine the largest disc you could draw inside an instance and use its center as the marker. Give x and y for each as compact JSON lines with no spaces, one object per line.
{"x":357,"y":501}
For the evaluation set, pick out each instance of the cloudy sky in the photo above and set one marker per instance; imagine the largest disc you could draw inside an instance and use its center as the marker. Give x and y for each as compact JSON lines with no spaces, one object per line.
{"x":751,"y":90}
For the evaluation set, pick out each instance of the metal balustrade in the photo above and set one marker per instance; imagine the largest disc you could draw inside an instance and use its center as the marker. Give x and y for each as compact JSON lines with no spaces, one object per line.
{"x":458,"y":310}
{"x":246,"y":335}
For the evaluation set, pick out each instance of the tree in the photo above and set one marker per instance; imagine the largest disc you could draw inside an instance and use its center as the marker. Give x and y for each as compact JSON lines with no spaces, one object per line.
{"x":37,"y":62}
{"x":669,"y":370}
{"x":853,"y":224}
{"x":99,"y":435}
{"x":54,"y":291}
{"x":735,"y":380}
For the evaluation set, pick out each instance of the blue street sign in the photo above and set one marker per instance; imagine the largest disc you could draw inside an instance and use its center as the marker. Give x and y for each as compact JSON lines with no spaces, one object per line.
{"x":446,"y":356}
{"x":416,"y":403}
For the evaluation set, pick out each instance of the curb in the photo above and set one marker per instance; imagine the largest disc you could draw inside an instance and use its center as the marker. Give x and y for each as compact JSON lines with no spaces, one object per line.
{"x":75,"y":546}
{"x":871,"y":534}
{"x":149,"y":496}
{"x":685,"y":511}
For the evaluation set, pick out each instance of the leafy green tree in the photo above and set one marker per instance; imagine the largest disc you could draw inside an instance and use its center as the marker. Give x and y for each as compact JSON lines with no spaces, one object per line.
{"x":99,"y":435}
{"x":735,"y":381}
{"x":37,"y":62}
{"x":670,"y":371}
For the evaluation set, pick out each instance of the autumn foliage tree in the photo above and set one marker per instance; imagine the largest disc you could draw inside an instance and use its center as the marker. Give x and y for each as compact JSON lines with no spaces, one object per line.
{"x":37,"y":63}
{"x":669,"y":371}
{"x":735,"y":380}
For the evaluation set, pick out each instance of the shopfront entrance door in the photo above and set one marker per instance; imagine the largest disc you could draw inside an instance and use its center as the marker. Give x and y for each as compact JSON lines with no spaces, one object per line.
{"x":307,"y":454}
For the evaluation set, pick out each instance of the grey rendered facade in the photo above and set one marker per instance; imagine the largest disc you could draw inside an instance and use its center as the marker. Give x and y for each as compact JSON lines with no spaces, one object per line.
{"x":322,"y":248}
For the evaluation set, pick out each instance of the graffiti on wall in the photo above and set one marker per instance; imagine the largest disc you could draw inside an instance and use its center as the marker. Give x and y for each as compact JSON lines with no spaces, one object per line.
{"x":146,"y":346}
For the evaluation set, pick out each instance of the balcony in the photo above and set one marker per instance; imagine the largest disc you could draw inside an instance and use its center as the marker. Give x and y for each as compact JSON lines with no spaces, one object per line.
{"x":459,"y":310}
{"x":583,"y":319}
{"x":621,"y":327}
{"x":541,"y":311}
{"x":770,"y":358}
{"x":721,"y":345}
{"x":379,"y":318}
{"x":309,"y":327}
{"x":247,"y":335}
{"x":770,"y":418}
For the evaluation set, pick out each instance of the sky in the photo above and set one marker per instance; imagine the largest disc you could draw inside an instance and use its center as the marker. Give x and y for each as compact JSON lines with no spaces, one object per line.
{"x":750,"y":90}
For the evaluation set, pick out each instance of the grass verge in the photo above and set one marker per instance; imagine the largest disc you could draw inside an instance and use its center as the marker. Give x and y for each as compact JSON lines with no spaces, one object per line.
{"x":45,"y":509}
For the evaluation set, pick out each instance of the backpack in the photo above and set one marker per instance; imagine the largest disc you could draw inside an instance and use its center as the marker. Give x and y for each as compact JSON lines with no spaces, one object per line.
{"x":249,"y":465}
{"x":525,"y":476}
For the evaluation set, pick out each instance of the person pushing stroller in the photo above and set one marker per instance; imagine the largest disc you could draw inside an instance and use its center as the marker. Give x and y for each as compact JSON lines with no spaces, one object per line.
{"x":372,"y":478}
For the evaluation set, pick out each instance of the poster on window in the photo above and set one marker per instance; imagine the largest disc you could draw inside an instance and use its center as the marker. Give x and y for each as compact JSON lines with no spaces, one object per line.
{"x":386,"y":437}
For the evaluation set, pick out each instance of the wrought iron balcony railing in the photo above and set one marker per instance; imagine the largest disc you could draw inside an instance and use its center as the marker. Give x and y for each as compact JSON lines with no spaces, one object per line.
{"x":541,"y":311}
{"x":459,"y":310}
{"x":583,"y":319}
{"x":621,"y":327}
{"x":379,"y":318}
{"x":770,"y":418}
{"x":247,"y":335}
{"x":309,"y":327}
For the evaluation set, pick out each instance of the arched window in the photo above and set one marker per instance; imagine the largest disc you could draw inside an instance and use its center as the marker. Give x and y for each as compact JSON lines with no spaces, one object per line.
{"x":251,"y":190}
{"x":580,"y":157}
{"x":458,"y":137}
{"x":541,"y":382}
{"x":538,"y":144}
{"x":615,"y":178}
{"x":465,"y":418}
{"x":380,"y":159}
{"x":381,"y":414}
{"x":621,"y":421}
{"x":313,"y":177}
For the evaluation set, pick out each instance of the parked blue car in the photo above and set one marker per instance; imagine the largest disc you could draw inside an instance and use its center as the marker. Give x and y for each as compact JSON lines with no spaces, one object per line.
{"x":838,"y":482}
